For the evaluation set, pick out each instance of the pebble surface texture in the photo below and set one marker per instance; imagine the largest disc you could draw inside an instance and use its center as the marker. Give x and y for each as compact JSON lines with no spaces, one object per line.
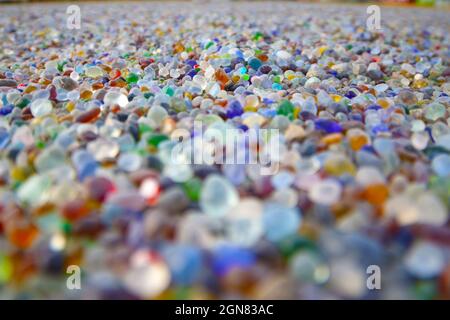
{"x":87,"y":125}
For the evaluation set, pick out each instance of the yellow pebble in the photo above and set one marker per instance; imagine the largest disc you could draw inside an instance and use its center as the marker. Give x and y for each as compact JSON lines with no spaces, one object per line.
{"x":70,"y":106}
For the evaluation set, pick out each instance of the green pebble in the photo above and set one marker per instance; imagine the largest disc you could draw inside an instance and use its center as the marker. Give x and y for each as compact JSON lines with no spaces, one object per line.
{"x":245,"y":77}
{"x":169,"y":91}
{"x":143,"y":128}
{"x":23,"y":103}
{"x":132,"y":78}
{"x":148,"y":95}
{"x":156,"y":139}
{"x":193,"y":188}
{"x":40,"y":144}
{"x":286,"y":108}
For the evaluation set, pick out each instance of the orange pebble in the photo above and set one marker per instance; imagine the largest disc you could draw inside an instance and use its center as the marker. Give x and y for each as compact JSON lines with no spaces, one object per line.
{"x":332,"y":138}
{"x":23,"y":236}
{"x":86,"y":94}
{"x":357,"y":142}
{"x":376,"y":194}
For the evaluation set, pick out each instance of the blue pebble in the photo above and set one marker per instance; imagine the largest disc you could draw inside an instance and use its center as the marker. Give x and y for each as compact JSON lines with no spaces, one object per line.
{"x":227,"y":257}
{"x":280,"y":222}
{"x":327,"y":126}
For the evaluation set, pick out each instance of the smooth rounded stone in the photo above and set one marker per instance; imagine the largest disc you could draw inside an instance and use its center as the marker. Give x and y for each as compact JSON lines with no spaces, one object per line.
{"x":84,"y":163}
{"x":417,"y":126}
{"x":8,"y":83}
{"x":173,"y":200}
{"x":217,"y":196}
{"x":431,"y":209}
{"x":441,"y":165}
{"x":443,"y":141}
{"x":178,"y":172}
{"x":312,"y":83}
{"x":34,"y":190}
{"x":424,"y":260}
{"x":147,"y":275}
{"x":347,"y":278}
{"x":280,"y":221}
{"x":49,"y":159}
{"x":425,"y":208}
{"x":325,"y":192}
{"x":282,"y":54}
{"x":244,"y":223}
{"x":41,"y":107}
{"x":94,"y":72}
{"x":129,"y":162}
{"x":282,"y":180}
{"x":65,"y":83}
{"x":115,"y":98}
{"x":434,"y":111}
{"x":287,"y":197}
{"x":157,"y":114}
{"x":407,"y":97}
{"x":103,"y":149}
{"x":307,"y":267}
{"x":367,"y":176}
{"x":419,"y":140}
{"x":185,"y":263}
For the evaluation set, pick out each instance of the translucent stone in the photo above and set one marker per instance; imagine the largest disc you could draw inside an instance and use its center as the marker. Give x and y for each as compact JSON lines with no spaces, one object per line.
{"x":157,"y":114}
{"x":434,"y":111}
{"x":280,"y":221}
{"x":441,"y":165}
{"x":312,"y":83}
{"x":417,"y":125}
{"x":282,"y":180}
{"x":147,"y":275}
{"x":424,"y":208}
{"x":185,"y":263}
{"x":369,"y":176}
{"x":218,"y":196}
{"x":431,"y":209}
{"x":424,"y":260}
{"x":419,"y":140}
{"x":103,"y":149}
{"x":287,"y":197}
{"x":307,"y":267}
{"x":115,"y":98}
{"x":129,"y":162}
{"x":282,"y":54}
{"x":41,"y":107}
{"x":94,"y":72}
{"x":49,"y":159}
{"x":244,"y":223}
{"x":348,"y":278}
{"x":34,"y":190}
{"x":325,"y":192}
